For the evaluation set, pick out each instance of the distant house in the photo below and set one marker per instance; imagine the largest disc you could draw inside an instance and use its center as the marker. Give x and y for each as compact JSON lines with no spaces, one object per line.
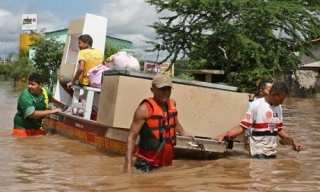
{"x":310,"y":65}
{"x":307,"y":63}
{"x":306,"y":80}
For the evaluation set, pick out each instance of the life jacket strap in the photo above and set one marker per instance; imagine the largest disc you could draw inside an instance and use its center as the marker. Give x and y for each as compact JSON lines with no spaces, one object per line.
{"x":164,"y":141}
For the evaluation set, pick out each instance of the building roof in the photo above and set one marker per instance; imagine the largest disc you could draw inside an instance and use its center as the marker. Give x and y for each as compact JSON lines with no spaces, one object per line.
{"x":66,"y":29}
{"x":314,"y":65}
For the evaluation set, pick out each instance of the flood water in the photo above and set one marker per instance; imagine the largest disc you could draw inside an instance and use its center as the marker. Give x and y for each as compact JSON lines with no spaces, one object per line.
{"x":56,"y":163}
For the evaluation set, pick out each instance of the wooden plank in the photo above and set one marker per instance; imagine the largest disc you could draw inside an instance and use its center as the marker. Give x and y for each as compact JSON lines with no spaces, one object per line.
{"x":205,"y":71}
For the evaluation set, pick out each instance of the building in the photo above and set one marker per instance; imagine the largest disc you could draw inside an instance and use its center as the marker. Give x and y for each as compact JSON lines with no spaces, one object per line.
{"x":61,"y":35}
{"x":310,"y":68}
{"x":305,"y":82}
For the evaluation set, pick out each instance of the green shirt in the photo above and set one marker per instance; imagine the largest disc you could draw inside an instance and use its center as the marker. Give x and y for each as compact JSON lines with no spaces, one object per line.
{"x":27,"y":104}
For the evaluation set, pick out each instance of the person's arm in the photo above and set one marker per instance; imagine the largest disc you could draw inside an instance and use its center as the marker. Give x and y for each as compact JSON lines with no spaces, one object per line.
{"x":231,"y":133}
{"x":182,"y":132}
{"x":139,"y":118}
{"x":27,"y":108}
{"x":43,"y":113}
{"x":78,"y":73}
{"x":179,"y":127}
{"x":251,"y":97}
{"x":247,"y":121}
{"x":296,"y":145}
{"x":58,"y":103}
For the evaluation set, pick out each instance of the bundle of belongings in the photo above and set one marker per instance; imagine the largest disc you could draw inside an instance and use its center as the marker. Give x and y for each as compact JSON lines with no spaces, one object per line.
{"x":118,"y":61}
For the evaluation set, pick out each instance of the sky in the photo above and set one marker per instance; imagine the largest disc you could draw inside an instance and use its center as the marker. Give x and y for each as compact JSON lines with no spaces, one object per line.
{"x":127,"y":19}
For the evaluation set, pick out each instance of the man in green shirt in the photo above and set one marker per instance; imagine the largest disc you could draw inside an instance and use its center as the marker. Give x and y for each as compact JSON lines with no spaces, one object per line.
{"x":32,"y":107}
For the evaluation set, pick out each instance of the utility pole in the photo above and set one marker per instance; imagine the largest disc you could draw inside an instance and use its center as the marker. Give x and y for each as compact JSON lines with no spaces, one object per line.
{"x":5,"y":53}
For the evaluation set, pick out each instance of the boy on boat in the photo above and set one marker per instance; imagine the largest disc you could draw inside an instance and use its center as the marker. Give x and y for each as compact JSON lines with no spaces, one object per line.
{"x":88,"y":58}
{"x":156,"y":122}
{"x":33,"y":107}
{"x":264,"y":117}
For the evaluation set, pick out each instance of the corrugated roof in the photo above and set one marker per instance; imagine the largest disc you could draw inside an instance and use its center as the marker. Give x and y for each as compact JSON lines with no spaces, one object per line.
{"x":310,"y":65}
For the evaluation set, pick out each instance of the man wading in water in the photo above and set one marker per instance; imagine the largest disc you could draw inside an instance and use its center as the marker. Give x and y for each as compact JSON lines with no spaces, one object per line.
{"x":156,"y":121}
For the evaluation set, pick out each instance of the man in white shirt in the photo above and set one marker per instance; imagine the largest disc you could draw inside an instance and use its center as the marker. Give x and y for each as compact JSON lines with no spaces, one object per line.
{"x":264,"y":117}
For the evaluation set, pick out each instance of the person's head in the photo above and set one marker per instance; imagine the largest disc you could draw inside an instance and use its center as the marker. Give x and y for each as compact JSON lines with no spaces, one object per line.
{"x":35,"y":83}
{"x":264,"y":87}
{"x":277,"y":94}
{"x":85,"y":41}
{"x":161,"y":88}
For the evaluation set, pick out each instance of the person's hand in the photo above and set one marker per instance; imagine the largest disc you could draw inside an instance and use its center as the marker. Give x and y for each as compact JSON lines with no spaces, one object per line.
{"x":251,"y":97}
{"x":219,"y":138}
{"x":297,"y":146}
{"x":188,"y":135}
{"x":69,"y":85}
{"x":56,"y":110}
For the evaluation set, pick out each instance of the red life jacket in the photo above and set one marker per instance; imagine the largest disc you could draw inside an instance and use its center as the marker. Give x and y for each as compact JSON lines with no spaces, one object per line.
{"x":155,"y":133}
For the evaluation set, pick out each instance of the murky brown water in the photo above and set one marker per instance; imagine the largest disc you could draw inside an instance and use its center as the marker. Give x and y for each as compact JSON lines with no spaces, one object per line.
{"x":56,"y":163}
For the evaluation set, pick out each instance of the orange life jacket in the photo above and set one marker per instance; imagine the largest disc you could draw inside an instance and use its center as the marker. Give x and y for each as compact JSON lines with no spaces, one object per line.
{"x":155,"y":133}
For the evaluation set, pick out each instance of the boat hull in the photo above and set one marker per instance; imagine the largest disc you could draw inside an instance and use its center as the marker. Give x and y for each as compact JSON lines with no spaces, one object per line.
{"x":114,"y":139}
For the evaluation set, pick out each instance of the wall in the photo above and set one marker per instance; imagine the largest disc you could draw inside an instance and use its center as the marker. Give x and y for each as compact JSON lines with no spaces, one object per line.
{"x":301,"y":84}
{"x":25,"y":41}
{"x":306,"y":81}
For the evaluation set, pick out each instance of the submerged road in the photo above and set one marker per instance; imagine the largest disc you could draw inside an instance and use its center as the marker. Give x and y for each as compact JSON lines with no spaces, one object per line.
{"x":56,"y":163}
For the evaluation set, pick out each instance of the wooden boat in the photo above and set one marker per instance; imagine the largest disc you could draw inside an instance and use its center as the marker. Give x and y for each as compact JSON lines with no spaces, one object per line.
{"x":205,"y":109}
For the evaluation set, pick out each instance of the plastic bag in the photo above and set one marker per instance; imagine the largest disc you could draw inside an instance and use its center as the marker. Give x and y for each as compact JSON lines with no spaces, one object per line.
{"x":95,"y":75}
{"x":123,"y":60}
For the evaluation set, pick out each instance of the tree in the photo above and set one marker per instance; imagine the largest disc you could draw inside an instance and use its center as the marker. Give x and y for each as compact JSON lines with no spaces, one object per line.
{"x":47,"y":58}
{"x":4,"y":70}
{"x":247,"y":39}
{"x":20,"y":68}
{"x":111,"y":49}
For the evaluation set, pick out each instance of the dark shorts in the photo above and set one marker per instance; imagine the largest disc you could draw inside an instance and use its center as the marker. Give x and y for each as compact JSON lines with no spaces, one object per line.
{"x":65,"y":80}
{"x":263,"y":156}
{"x":143,"y":165}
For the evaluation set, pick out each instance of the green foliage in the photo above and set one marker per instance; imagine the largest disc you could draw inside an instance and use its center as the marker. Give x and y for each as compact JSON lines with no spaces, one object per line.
{"x":111,"y":49}
{"x":23,"y":52}
{"x":4,"y":69}
{"x":186,"y":76}
{"x":20,"y":68}
{"x":247,"y":39}
{"x":47,"y":58}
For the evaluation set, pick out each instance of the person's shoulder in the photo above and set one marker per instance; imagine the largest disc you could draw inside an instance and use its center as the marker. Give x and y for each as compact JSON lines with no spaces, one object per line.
{"x":25,"y":95}
{"x":98,"y":52}
{"x":47,"y":90}
{"x":257,"y":102}
{"x":144,"y":110}
{"x":25,"y":92}
{"x":173,"y":101}
{"x":83,"y":50}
